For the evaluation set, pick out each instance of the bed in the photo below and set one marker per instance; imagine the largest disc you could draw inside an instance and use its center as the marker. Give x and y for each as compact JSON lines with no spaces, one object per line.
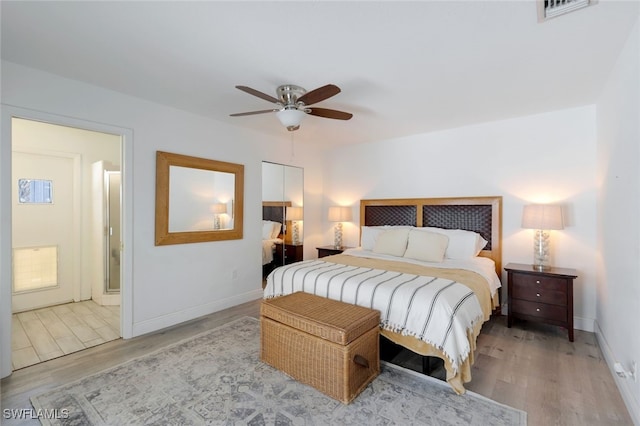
{"x":434,"y":293}
{"x":273,"y":232}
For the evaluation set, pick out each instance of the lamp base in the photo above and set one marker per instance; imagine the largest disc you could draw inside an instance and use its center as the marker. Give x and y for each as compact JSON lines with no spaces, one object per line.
{"x":337,"y":236}
{"x":541,"y":249}
{"x":541,"y":268}
{"x":296,"y":234}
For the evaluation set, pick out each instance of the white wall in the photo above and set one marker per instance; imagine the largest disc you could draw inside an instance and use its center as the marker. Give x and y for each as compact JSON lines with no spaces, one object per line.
{"x":170,"y":284}
{"x":542,"y":158}
{"x":618,"y":284}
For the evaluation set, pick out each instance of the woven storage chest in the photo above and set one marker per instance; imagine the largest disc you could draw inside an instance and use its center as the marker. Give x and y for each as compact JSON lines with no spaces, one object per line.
{"x":330,"y":345}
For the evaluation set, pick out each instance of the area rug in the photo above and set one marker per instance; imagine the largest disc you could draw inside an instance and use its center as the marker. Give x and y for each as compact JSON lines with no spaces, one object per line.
{"x":216,"y":378}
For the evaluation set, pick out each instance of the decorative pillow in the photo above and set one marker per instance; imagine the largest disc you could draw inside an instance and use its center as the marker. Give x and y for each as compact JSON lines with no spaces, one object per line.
{"x":392,"y":241}
{"x":426,"y":246}
{"x":277,"y":226}
{"x":462,"y":244}
{"x":267,"y":229}
{"x":369,"y":235}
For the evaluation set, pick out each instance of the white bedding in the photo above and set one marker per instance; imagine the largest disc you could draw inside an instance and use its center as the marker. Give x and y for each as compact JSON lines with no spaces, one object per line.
{"x":268,"y":248}
{"x":482,"y":265}
{"x":438,"y":311}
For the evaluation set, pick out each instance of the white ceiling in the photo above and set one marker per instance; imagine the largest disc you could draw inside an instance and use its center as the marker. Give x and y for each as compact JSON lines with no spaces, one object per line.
{"x":404,"y":68}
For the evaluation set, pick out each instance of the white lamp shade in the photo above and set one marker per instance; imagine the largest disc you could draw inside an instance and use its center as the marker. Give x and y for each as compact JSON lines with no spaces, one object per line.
{"x":294,"y":213}
{"x":542,"y":216}
{"x":219,"y":208}
{"x":340,"y":214}
{"x":290,"y":118}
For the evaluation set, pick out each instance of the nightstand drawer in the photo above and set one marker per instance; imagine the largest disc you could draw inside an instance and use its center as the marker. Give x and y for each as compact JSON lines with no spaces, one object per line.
{"x":539,"y":282}
{"x":540,"y":289}
{"x":541,"y":310}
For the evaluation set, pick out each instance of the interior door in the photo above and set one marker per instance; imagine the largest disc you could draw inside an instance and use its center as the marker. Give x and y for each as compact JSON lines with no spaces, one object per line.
{"x":43,"y":229}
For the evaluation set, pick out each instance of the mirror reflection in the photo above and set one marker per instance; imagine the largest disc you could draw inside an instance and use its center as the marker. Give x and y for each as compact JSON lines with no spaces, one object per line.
{"x":197,"y":199}
{"x":282,"y":215}
{"x":200,"y":200}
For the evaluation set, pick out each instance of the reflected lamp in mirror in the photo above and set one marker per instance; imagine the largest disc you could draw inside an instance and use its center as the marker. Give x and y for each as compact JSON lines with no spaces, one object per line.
{"x":339,"y":214}
{"x":542,"y":218}
{"x":295,"y":215}
{"x":218,"y":209}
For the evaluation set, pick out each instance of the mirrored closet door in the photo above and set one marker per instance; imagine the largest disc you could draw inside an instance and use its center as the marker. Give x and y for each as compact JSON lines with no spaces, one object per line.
{"x":282,"y":215}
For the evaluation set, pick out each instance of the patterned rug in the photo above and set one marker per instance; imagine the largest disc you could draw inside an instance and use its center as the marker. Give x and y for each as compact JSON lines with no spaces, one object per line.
{"x":216,"y":378}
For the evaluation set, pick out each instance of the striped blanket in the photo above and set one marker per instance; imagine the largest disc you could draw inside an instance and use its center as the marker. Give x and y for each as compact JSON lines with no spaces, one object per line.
{"x":439,"y":311}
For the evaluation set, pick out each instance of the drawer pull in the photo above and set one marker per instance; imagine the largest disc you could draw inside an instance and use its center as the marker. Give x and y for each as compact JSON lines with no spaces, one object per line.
{"x":537,"y":281}
{"x":538,"y":294}
{"x":537,"y":309}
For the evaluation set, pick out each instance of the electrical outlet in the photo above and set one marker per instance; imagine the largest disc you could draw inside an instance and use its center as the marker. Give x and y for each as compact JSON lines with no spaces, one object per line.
{"x":619,"y":369}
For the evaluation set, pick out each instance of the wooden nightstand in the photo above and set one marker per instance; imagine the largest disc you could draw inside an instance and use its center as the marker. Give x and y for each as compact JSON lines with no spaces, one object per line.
{"x":288,"y":253}
{"x":544,"y":296}
{"x":329,"y":250}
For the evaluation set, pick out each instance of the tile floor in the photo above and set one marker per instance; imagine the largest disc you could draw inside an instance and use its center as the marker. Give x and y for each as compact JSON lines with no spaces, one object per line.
{"x":48,"y":333}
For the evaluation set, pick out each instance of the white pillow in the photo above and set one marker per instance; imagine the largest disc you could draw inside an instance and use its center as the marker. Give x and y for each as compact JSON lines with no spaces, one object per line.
{"x":369,"y":235}
{"x":392,"y":241}
{"x":276,"y":229}
{"x":462,"y":244}
{"x":267,"y":229}
{"x":426,"y":246}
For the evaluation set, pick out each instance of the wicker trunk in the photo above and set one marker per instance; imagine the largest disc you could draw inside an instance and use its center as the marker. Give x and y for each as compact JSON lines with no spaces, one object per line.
{"x":330,"y":345}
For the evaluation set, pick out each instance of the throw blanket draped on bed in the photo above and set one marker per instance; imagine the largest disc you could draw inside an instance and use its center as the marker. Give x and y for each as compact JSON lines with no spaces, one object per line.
{"x":433,"y":311}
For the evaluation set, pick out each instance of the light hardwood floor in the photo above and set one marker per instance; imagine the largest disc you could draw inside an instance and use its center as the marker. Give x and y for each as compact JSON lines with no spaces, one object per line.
{"x":48,"y":333}
{"x":531,"y":367}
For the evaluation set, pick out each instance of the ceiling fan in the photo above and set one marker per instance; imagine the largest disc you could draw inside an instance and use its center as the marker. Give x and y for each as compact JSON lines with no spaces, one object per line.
{"x":293,"y":104}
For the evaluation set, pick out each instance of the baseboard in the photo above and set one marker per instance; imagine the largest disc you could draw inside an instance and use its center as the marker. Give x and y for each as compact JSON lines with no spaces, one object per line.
{"x":624,"y":385}
{"x":174,"y":318}
{"x":584,"y":324}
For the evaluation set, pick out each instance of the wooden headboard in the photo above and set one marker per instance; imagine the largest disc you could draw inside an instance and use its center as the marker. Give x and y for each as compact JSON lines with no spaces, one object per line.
{"x":479,"y":214}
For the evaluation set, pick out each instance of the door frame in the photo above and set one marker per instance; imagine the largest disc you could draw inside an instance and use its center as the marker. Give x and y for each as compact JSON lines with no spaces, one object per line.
{"x":126,"y":155}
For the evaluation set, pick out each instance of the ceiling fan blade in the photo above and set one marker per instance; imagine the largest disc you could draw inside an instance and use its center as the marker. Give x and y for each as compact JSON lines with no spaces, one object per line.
{"x":329,"y":113}
{"x":319,"y":94}
{"x":240,"y":114}
{"x":257,"y":93}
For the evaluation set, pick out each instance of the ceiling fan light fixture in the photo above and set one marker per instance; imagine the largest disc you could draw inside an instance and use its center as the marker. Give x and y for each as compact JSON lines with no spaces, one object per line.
{"x":291,"y":118}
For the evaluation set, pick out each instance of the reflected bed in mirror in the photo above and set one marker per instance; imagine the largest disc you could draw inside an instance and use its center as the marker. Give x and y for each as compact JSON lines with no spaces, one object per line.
{"x":197,"y":199}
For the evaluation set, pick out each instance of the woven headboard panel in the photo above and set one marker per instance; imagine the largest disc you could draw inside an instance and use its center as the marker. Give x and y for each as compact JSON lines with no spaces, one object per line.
{"x":273,"y":213}
{"x":475,"y":218}
{"x":478,"y":214}
{"x":390,"y":215}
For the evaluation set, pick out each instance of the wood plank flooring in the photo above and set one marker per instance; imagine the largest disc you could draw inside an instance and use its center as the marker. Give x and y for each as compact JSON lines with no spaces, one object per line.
{"x":48,"y":333}
{"x":531,"y":367}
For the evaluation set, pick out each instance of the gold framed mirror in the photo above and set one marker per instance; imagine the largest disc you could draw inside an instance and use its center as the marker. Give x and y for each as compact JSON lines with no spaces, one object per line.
{"x":197,"y":199}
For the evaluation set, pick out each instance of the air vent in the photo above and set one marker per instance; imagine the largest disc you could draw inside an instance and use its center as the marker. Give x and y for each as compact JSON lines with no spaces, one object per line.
{"x":548,"y":9}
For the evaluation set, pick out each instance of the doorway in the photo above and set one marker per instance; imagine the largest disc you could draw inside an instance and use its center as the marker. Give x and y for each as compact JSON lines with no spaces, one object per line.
{"x":60,"y":239}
